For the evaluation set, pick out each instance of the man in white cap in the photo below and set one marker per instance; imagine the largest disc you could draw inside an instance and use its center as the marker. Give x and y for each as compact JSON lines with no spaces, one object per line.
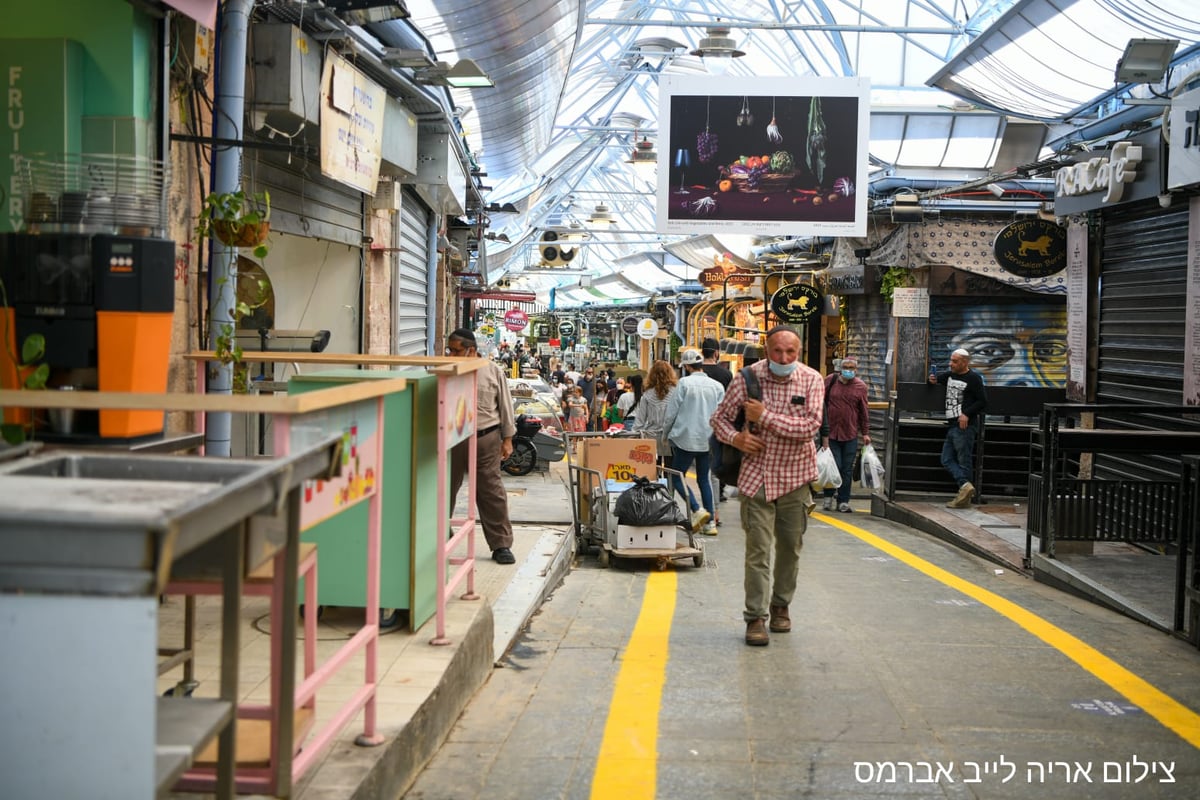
{"x":966,"y":400}
{"x":686,"y":425}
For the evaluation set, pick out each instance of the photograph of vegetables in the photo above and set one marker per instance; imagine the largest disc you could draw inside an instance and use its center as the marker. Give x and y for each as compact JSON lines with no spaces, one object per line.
{"x":762,"y":158}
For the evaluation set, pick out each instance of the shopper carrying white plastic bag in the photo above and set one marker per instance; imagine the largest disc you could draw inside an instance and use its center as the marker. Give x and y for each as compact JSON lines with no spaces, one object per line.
{"x":827,"y":471}
{"x":872,"y":470}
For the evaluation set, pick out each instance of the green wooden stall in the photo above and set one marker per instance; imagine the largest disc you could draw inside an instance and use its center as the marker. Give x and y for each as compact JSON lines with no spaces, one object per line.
{"x":408,"y":486}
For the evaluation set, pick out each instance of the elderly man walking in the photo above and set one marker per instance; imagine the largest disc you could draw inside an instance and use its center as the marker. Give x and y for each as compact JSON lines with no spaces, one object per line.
{"x":779,"y":463}
{"x":495,"y":426}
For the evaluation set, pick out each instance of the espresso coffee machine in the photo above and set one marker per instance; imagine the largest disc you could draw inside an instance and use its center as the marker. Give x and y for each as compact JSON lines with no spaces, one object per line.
{"x":104,"y":304}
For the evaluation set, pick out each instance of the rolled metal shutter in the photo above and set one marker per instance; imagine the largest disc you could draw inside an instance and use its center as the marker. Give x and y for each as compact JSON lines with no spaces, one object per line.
{"x":412,"y":306}
{"x":1037,"y":357}
{"x":1143,"y":288}
{"x":1143,"y":291}
{"x":867,"y":340}
{"x":306,"y":203}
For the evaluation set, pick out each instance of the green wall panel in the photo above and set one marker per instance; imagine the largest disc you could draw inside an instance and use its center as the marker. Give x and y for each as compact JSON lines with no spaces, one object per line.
{"x":43,"y":93}
{"x":117,"y":40}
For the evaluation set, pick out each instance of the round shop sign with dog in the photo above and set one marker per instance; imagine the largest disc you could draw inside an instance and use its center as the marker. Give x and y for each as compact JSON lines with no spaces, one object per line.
{"x":796,"y":303}
{"x":1031,"y":248}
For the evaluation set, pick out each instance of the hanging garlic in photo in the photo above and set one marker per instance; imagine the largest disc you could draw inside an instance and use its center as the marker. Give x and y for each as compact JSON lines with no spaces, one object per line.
{"x":773,"y":129}
{"x":745,"y":117}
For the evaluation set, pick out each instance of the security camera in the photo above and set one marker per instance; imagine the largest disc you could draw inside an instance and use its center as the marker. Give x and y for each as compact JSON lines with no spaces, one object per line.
{"x":1164,"y":200}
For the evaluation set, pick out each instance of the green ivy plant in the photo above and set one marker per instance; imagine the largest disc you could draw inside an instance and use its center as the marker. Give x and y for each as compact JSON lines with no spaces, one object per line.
{"x":238,"y":218}
{"x":673,"y":345}
{"x":226,"y":346}
{"x":31,"y":364}
{"x":892,"y":278}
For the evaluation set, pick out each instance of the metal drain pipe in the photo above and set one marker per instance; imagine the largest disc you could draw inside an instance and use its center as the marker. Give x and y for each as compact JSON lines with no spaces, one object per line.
{"x":234,"y":27}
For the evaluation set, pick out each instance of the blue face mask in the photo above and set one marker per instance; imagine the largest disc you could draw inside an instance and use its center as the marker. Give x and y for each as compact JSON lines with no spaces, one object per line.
{"x":782,"y":370}
{"x":847,"y":374}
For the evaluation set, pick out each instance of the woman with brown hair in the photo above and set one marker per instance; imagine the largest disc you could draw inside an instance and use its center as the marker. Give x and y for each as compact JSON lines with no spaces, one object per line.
{"x":599,"y":406}
{"x":652,"y":408}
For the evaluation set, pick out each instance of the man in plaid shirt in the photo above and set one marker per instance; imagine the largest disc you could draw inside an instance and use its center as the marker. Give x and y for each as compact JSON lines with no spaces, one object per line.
{"x":779,"y":461}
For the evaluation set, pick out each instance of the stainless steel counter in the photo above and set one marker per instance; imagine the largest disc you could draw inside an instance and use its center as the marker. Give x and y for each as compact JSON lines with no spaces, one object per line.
{"x":87,"y":541}
{"x":95,"y":523}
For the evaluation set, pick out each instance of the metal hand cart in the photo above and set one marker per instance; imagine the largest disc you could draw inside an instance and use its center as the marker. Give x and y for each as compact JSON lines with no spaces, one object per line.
{"x":596,"y":524}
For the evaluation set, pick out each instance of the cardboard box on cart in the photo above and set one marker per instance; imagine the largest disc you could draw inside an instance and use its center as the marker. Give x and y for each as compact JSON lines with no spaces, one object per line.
{"x":618,"y":458}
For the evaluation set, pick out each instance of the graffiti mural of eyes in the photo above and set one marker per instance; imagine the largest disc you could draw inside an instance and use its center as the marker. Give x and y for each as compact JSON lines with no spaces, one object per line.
{"x":1046,"y":349}
{"x":987,"y":353}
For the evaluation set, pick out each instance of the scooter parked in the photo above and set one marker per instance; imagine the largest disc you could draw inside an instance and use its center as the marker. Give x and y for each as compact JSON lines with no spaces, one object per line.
{"x":531,"y":443}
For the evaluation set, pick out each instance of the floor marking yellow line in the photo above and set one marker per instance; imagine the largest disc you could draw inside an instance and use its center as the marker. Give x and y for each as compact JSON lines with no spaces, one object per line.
{"x":1168,"y":711}
{"x":627,"y":767}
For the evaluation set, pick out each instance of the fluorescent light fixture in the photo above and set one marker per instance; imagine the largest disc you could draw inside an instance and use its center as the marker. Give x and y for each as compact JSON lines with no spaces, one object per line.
{"x":465,"y":74}
{"x":1145,"y":60}
{"x":365,"y":12}
{"x":403,"y":57}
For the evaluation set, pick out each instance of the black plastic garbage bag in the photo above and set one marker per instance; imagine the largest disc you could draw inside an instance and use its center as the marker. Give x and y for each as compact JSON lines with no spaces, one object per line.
{"x":647,"y":503}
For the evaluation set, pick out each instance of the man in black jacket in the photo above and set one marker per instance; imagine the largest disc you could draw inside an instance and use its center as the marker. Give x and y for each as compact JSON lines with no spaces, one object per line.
{"x":966,"y":400}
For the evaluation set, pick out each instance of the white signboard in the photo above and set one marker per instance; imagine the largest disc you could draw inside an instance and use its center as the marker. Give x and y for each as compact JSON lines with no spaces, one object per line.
{"x":352,"y":108}
{"x":1077,"y":314}
{"x":647,"y":328}
{"x":910,"y":302}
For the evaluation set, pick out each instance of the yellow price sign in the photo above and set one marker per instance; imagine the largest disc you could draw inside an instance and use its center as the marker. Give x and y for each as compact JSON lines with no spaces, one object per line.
{"x":622,"y":473}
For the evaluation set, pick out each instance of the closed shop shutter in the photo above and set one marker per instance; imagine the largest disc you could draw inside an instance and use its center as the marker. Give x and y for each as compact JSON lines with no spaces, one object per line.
{"x":1143,"y":273}
{"x":412,"y":307}
{"x":1143,"y":287}
{"x":1012,"y":342}
{"x":867,"y":340}
{"x":306,"y":203}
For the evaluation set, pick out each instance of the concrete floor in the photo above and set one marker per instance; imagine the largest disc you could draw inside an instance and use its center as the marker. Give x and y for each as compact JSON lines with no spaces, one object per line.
{"x":884,"y":667}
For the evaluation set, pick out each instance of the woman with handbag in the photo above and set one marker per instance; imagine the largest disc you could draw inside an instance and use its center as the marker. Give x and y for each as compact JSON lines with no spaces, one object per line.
{"x":652,"y":408}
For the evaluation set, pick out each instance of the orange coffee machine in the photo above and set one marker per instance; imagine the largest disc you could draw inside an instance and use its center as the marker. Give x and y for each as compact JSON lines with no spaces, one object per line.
{"x":104,"y":305}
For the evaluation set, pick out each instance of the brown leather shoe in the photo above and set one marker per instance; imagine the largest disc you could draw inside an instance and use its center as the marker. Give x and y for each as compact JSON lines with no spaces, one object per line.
{"x":756,"y":633}
{"x":780,"y":621}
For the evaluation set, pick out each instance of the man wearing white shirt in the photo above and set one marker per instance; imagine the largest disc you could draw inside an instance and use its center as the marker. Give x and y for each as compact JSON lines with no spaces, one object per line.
{"x":686,"y":423}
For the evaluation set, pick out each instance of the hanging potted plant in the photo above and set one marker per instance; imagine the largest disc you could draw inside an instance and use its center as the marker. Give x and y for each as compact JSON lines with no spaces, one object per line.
{"x":238,"y":219}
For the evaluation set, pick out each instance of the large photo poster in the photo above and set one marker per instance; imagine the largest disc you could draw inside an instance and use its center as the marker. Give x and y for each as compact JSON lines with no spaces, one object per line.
{"x":770,"y":156}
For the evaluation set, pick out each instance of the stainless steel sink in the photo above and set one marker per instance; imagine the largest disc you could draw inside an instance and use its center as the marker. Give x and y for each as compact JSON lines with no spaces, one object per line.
{"x":78,"y":521}
{"x":101,"y":466}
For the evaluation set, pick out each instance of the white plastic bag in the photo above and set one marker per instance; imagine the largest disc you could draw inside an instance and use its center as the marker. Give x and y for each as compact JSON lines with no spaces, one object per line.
{"x":828,"y":476}
{"x":872,"y":470}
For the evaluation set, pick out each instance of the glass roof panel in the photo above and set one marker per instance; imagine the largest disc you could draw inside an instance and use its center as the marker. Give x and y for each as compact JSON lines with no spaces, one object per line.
{"x":1050,"y":60}
{"x":943,"y":81}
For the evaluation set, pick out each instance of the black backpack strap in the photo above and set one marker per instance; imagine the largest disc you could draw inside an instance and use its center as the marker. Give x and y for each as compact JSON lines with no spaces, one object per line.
{"x":752,"y":390}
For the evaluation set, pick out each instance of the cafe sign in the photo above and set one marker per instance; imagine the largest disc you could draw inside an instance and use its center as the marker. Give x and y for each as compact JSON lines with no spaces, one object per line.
{"x":1108,"y":174}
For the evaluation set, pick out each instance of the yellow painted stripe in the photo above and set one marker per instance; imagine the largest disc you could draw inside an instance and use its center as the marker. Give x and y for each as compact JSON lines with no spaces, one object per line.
{"x":628,"y":763}
{"x":1168,"y":711}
